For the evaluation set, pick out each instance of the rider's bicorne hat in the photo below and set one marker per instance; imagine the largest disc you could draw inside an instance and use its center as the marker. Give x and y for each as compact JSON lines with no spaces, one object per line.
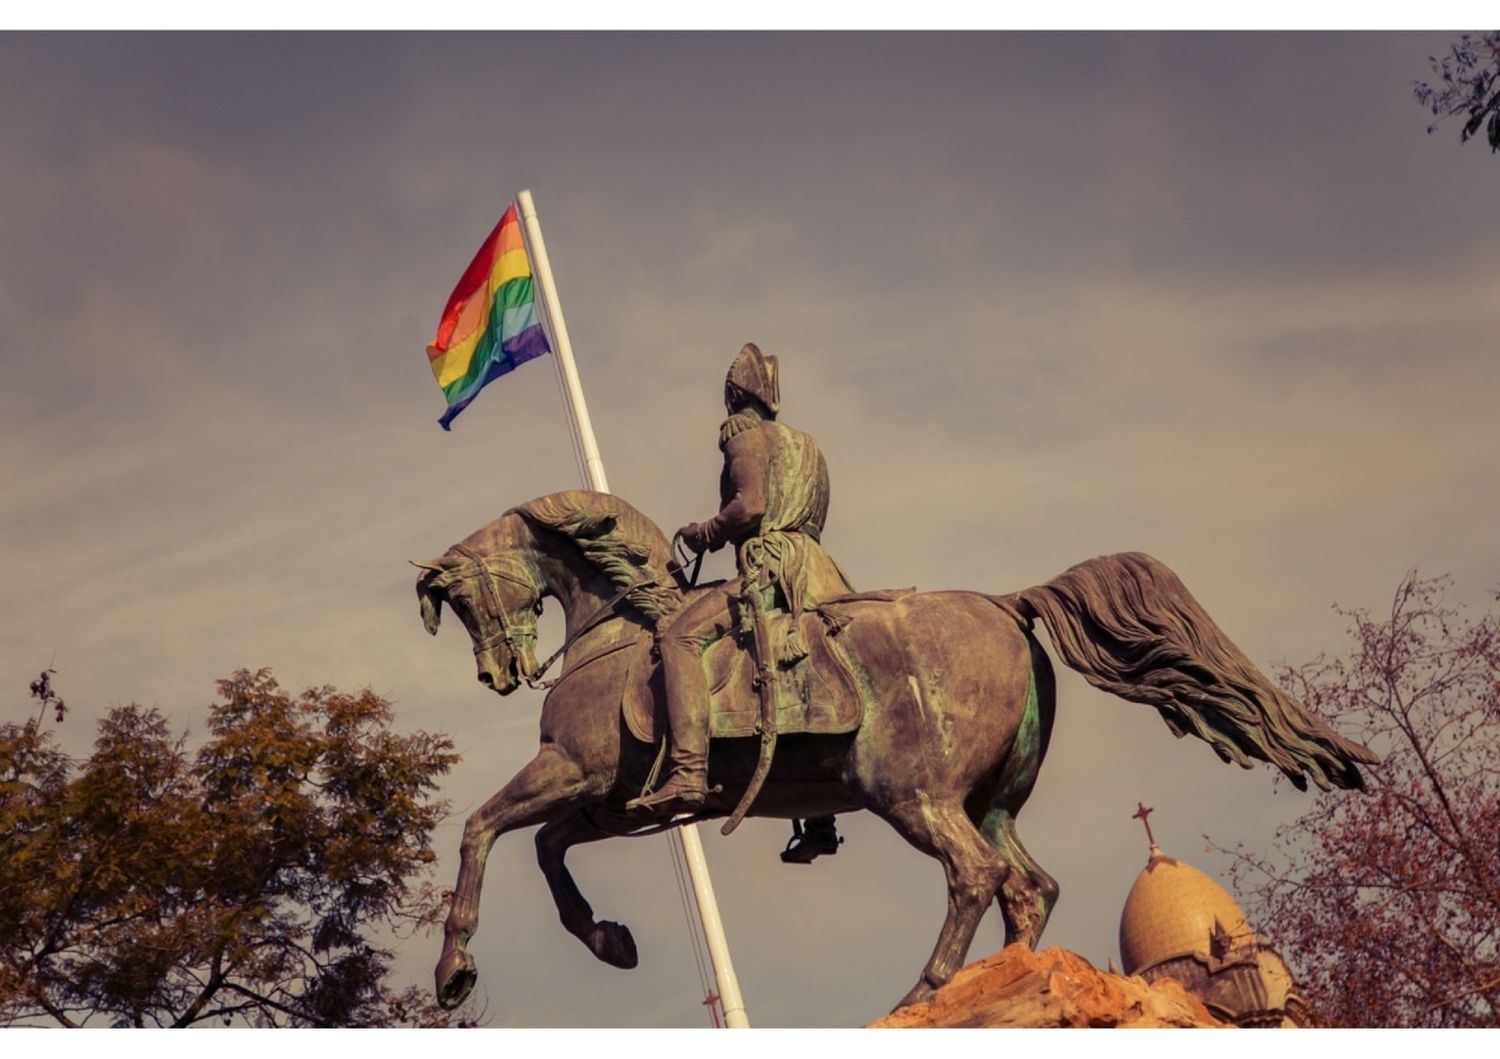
{"x":756,"y":374}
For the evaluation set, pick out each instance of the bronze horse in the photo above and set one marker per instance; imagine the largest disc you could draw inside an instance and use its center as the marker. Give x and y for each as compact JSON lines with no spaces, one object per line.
{"x":958,"y":707}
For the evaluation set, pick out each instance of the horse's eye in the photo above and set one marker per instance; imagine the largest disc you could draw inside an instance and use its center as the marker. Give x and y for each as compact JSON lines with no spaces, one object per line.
{"x":537,"y":608}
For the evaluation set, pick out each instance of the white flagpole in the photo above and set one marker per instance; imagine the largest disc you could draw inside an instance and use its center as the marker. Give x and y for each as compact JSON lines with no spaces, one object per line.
{"x":692,"y":846}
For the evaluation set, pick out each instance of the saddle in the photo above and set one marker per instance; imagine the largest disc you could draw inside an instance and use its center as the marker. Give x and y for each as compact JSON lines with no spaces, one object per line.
{"x":818,"y":695}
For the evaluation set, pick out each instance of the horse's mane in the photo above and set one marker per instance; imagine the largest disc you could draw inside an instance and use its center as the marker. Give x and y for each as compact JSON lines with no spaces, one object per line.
{"x":618,"y":540}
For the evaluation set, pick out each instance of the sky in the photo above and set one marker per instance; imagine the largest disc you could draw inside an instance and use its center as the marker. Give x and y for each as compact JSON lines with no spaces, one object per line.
{"x":1040,"y":297}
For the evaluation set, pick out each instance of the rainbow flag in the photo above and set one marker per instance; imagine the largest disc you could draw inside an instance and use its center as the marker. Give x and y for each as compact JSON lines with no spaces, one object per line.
{"x":489,"y":325}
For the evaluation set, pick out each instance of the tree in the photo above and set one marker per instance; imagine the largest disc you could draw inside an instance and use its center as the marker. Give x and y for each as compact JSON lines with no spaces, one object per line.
{"x":1468,"y":84}
{"x":1387,"y":904}
{"x":241,"y":883}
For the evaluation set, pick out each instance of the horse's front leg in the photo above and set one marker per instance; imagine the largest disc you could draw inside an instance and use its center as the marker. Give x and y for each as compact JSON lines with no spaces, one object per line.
{"x":611,"y":942}
{"x":551,"y":784}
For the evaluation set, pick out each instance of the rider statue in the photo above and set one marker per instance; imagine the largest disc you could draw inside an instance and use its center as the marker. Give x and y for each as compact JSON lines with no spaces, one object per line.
{"x":773,"y":503}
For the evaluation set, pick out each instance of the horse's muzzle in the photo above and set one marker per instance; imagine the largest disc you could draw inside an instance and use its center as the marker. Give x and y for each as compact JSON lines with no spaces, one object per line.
{"x":501,"y":679}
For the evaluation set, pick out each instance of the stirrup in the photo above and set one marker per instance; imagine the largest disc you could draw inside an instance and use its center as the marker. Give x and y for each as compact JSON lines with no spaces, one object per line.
{"x":807,"y":845}
{"x":671,"y":799}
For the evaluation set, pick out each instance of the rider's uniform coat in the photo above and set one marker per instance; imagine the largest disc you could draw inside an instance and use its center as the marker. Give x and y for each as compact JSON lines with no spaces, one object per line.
{"x":773,"y":502}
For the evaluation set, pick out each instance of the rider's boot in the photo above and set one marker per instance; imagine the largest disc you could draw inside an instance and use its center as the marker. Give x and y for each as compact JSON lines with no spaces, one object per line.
{"x":687,"y":710}
{"x":684,"y":790}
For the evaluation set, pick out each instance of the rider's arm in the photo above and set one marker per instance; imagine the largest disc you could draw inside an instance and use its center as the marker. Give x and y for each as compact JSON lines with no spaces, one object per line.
{"x":745,"y":462}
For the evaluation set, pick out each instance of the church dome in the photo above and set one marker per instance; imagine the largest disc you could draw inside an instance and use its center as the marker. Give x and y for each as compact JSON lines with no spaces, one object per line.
{"x":1274,"y":975}
{"x":1174,"y":909}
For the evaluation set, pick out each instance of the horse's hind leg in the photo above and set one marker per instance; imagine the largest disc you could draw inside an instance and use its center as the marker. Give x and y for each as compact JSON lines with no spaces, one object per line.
{"x":1028,"y":893}
{"x":611,"y":942}
{"x":974,"y":872}
{"x":550,"y":784}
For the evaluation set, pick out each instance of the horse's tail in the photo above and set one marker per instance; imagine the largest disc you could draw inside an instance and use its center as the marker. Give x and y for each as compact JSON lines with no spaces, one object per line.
{"x":1130,"y":626}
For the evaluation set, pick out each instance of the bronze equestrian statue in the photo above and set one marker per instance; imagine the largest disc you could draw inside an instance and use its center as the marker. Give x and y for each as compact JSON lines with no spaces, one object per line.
{"x":932,"y":710}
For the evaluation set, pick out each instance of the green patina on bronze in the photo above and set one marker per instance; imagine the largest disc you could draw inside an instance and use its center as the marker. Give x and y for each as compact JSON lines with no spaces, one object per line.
{"x":1028,"y":745}
{"x":1026,"y":755}
{"x":949,"y":774}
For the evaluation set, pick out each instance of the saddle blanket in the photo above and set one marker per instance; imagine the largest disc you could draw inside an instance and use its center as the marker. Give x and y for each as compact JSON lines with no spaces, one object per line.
{"x":818,"y":695}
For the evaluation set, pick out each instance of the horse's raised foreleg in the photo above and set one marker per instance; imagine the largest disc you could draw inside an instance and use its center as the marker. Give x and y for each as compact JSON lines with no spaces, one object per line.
{"x":611,"y":942}
{"x":552,"y":783}
{"x":974,"y":872}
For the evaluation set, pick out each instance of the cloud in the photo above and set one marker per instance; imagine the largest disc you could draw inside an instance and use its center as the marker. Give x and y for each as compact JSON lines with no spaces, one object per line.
{"x":1039,"y":297}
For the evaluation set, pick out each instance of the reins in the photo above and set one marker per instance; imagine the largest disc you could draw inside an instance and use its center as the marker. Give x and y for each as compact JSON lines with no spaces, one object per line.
{"x":534,"y":680}
{"x":515,"y":637}
{"x":689,"y":582}
{"x":678,"y":547}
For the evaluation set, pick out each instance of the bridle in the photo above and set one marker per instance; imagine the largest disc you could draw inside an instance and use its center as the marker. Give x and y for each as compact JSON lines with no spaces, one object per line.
{"x":523,"y":634}
{"x":515,"y":636}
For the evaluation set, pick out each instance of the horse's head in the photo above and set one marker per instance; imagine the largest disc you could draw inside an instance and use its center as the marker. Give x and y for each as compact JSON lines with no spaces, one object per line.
{"x":498,"y":600}
{"x":577,"y":546}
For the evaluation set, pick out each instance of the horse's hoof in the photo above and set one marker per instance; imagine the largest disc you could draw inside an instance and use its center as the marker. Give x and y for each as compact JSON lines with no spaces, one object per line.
{"x":613,"y":944}
{"x":920,"y":993}
{"x":456,"y":975}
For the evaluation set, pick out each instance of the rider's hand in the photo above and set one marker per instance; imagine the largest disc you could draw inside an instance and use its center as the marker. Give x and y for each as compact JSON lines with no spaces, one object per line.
{"x":695,"y":537}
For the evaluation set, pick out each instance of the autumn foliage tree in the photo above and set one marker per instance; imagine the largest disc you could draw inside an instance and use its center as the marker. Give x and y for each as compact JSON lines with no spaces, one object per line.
{"x":249,"y":881}
{"x":1387,"y":904}
{"x":1467,"y":85}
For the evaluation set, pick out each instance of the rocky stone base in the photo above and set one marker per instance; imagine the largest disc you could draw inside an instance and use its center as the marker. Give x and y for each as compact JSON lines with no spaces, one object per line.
{"x":1053,"y":988}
